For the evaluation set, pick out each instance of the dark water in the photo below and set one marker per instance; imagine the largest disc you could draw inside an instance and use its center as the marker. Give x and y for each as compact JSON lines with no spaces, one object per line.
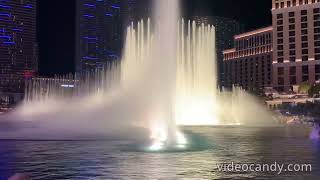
{"x":111,"y":160}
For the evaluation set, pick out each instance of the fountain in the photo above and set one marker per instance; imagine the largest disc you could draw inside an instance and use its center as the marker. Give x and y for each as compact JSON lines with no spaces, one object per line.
{"x":167,"y":77}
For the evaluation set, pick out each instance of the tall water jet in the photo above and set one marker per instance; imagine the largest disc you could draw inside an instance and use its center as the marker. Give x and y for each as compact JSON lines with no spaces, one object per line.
{"x":149,"y":64}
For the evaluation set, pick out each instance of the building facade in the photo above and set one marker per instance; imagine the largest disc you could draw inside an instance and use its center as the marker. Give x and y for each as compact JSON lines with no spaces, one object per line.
{"x":18,"y":47}
{"x":249,"y":63}
{"x":98,"y":33}
{"x":100,"y":29}
{"x":296,"y":42}
{"x":226,"y":29}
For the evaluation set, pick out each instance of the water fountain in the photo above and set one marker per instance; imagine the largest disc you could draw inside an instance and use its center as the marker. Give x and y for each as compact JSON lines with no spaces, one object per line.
{"x":167,"y":77}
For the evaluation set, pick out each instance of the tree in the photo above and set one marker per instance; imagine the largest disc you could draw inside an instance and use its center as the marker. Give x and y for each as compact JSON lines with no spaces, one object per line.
{"x":314,"y":91}
{"x":304,"y":87}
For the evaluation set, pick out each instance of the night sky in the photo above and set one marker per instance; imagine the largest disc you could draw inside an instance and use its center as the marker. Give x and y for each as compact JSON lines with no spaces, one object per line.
{"x":56,"y":26}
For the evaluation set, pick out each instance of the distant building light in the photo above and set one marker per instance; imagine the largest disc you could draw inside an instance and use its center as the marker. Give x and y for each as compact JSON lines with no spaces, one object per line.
{"x":115,"y":7}
{"x":5,"y":14}
{"x":90,"y":58}
{"x":90,"y":38}
{"x":108,"y":14}
{"x":67,"y":86}
{"x":89,"y":5}
{"x":17,"y":29}
{"x":28,"y":6}
{"x":4,"y":6}
{"x":88,"y":15}
{"x":9,"y":43}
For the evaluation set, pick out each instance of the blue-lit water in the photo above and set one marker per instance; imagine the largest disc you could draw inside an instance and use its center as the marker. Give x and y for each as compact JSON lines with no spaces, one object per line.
{"x":112,"y":160}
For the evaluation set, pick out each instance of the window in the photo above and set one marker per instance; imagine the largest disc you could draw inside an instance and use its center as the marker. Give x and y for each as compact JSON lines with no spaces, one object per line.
{"x":288,"y":3}
{"x":304,"y":45}
{"x":291,"y":14}
{"x":317,"y":57}
{"x":293,"y":70}
{"x":280,"y":34}
{"x":304,"y":25}
{"x":280,"y":53}
{"x":317,"y":50}
{"x":300,"y":2}
{"x":317,"y":68}
{"x":292,"y":39}
{"x":304,"y":31}
{"x":316,"y":17}
{"x":317,"y":23}
{"x":292,"y":46}
{"x":280,"y":41}
{"x":305,"y":69}
{"x":280,"y":60}
{"x":280,"y":80}
{"x":280,"y":71}
{"x":292,"y":52}
{"x":280,"y":28}
{"x":292,"y":20}
{"x":279,"y":16}
{"x":282,"y":5}
{"x":317,"y":43}
{"x":279,"y":22}
{"x":280,"y":47}
{"x":305,"y":1}
{"x":291,"y":27}
{"x":305,"y":78}
{"x":293,"y":80}
{"x":316,"y":37}
{"x":304,"y":51}
{"x":317,"y":30}
{"x":304,"y":12}
{"x":316,"y":10}
{"x":304,"y":38}
{"x":294,"y":3}
{"x":292,"y":59}
{"x":277,"y":5}
{"x":304,"y":58}
{"x":304,"y":18}
{"x":292,"y":33}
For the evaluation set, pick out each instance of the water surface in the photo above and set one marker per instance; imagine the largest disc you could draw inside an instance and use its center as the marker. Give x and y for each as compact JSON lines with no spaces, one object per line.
{"x":110,"y":159}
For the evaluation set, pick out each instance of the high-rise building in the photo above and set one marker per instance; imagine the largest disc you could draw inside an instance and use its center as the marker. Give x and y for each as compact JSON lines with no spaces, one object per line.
{"x":18,"y":47}
{"x":100,"y":29}
{"x":226,"y":29}
{"x":296,"y":42}
{"x":249,"y":63}
{"x":98,"y":33}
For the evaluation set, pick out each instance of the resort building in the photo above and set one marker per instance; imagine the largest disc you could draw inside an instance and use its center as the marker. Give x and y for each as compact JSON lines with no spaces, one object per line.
{"x":249,"y":63}
{"x":18,"y":47}
{"x":296,"y":42}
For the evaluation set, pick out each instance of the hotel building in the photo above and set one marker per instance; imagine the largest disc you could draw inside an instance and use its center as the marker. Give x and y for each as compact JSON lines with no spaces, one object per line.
{"x":296,"y":42}
{"x":249,"y":63}
{"x":18,"y":47}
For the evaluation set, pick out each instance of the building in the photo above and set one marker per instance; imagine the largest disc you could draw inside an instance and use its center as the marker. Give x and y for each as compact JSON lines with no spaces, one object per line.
{"x":98,"y":33}
{"x":296,"y":42}
{"x":226,"y":29}
{"x":100,"y":29}
{"x":249,"y":63}
{"x":18,"y":47}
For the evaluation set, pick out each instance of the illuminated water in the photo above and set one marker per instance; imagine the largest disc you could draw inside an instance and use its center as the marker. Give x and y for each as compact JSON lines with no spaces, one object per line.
{"x":115,"y":159}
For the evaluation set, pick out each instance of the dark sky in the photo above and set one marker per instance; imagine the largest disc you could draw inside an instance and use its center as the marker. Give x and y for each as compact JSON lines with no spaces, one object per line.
{"x":56,"y":26}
